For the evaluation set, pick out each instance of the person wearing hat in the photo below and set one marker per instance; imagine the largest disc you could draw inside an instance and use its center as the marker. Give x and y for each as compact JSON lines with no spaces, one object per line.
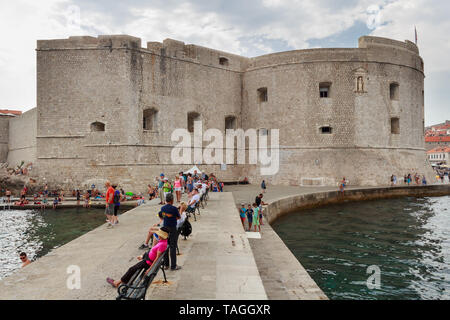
{"x":146,"y":260}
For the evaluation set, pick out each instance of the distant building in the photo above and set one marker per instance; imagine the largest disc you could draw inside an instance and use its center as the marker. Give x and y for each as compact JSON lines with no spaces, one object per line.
{"x":437,"y":136}
{"x":439,"y":155}
{"x":5,"y":116}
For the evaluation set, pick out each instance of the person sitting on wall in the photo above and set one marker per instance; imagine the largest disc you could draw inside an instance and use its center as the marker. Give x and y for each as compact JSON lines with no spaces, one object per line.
{"x":55,"y":203}
{"x":146,"y":260}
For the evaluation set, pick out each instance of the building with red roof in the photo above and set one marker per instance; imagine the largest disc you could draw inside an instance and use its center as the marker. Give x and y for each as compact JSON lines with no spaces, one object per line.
{"x":439,"y":155}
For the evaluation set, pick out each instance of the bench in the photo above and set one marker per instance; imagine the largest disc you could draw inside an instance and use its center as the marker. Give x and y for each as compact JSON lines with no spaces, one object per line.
{"x":136,"y":289}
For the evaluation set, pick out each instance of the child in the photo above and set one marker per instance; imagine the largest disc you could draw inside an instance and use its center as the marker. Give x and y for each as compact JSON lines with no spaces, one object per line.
{"x":55,"y":203}
{"x":256,"y":217}
{"x":243,"y":214}
{"x":250,"y":217}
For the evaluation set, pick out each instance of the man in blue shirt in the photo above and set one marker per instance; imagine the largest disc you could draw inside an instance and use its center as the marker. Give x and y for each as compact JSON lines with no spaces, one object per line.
{"x":170,"y":216}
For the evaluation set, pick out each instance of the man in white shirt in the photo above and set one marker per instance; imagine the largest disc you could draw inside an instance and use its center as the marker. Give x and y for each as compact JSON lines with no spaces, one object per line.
{"x":195,"y":198}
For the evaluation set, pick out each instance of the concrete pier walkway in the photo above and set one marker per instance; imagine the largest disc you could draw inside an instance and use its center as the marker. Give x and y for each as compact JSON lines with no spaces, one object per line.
{"x":217,"y":260}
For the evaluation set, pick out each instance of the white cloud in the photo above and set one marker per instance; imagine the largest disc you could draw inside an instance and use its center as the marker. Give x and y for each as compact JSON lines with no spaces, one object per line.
{"x":241,"y":27}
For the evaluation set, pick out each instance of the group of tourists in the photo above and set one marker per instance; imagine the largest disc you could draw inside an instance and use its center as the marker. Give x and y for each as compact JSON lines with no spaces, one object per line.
{"x":172,"y":219}
{"x":408,"y":179}
{"x":183,"y":183}
{"x":252,"y":214}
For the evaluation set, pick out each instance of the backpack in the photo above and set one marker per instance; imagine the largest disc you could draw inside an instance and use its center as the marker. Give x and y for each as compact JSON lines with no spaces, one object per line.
{"x":186,"y":228}
{"x":116,"y":197}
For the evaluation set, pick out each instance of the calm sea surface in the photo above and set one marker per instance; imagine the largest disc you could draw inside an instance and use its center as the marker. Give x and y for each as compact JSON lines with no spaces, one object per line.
{"x":406,"y":239}
{"x":36,"y":233}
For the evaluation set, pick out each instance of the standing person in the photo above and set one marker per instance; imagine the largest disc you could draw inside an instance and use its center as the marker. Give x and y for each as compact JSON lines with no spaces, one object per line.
{"x":8,"y":196}
{"x":167,"y":187}
{"x":78,"y":197}
{"x":160,"y":188}
{"x":256,"y":217}
{"x":24,"y":259}
{"x":243,"y":214}
{"x":178,"y":185}
{"x":392,"y":180}
{"x":424,"y":181}
{"x":190,"y":183}
{"x":263,"y":186}
{"x":61,"y":194}
{"x":170,"y":216}
{"x":395,"y":180}
{"x":116,"y":200}
{"x":249,"y":217}
{"x":109,"y":205}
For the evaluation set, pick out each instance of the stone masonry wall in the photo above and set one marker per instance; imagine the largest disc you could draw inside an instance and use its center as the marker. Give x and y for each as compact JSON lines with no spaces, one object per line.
{"x":4,"y":138}
{"x":85,"y":83}
{"x":22,"y":138}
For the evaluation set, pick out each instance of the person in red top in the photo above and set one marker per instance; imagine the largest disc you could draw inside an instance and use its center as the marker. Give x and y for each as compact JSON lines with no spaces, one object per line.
{"x":109,"y":207}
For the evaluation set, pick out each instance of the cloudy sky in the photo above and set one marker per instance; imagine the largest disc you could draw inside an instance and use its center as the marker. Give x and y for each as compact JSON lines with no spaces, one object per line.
{"x":245,"y":27}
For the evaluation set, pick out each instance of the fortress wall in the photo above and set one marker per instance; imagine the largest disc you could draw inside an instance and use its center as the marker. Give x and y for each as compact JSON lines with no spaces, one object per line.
{"x":361,"y":138}
{"x":22,"y":138}
{"x":4,"y":137}
{"x":80,"y":81}
{"x":111,"y":79}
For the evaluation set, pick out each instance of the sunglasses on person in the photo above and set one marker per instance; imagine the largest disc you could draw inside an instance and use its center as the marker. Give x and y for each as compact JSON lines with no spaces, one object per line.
{"x":23,"y":258}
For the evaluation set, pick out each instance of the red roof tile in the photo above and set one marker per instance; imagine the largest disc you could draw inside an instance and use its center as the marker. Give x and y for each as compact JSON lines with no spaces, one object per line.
{"x":437,"y":139}
{"x":439,"y":150}
{"x":10,"y":112}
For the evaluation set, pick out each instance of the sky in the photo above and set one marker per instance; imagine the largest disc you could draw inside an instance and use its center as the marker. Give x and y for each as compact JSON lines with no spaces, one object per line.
{"x":245,"y":27}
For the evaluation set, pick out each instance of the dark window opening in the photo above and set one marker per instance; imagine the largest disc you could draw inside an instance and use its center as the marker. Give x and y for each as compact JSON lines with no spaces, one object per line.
{"x":325,"y":89}
{"x":262,"y":95}
{"x":97,"y":127}
{"x":326,"y":130}
{"x":230,"y":123}
{"x":223,"y":61}
{"x":192,"y":118}
{"x":150,"y":119}
{"x":395,"y":126}
{"x":394,"y":89}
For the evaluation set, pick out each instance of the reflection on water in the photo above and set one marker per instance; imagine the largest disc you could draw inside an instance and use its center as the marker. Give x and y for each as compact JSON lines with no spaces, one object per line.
{"x":407,"y":238}
{"x":36,"y":233}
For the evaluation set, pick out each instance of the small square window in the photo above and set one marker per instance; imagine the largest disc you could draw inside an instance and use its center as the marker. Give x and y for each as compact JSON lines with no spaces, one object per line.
{"x":324,"y":89}
{"x":326,"y":130}
{"x":262,"y":95}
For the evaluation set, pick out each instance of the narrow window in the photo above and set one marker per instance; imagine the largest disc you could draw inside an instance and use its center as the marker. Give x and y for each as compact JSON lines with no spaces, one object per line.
{"x":97,"y":127}
{"x":150,"y":119}
{"x":192,"y":117}
{"x":325,"y":89}
{"x":223,"y":61}
{"x":262,"y":95}
{"x":230,"y":123}
{"x":394,"y":89}
{"x":395,"y":126}
{"x":326,"y":130}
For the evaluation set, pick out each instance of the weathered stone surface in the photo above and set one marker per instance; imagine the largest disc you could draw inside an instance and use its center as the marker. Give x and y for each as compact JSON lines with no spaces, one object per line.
{"x":111,"y":80}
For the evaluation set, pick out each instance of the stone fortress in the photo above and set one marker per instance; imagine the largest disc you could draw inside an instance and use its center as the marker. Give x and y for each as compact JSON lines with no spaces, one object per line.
{"x":106,"y":109}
